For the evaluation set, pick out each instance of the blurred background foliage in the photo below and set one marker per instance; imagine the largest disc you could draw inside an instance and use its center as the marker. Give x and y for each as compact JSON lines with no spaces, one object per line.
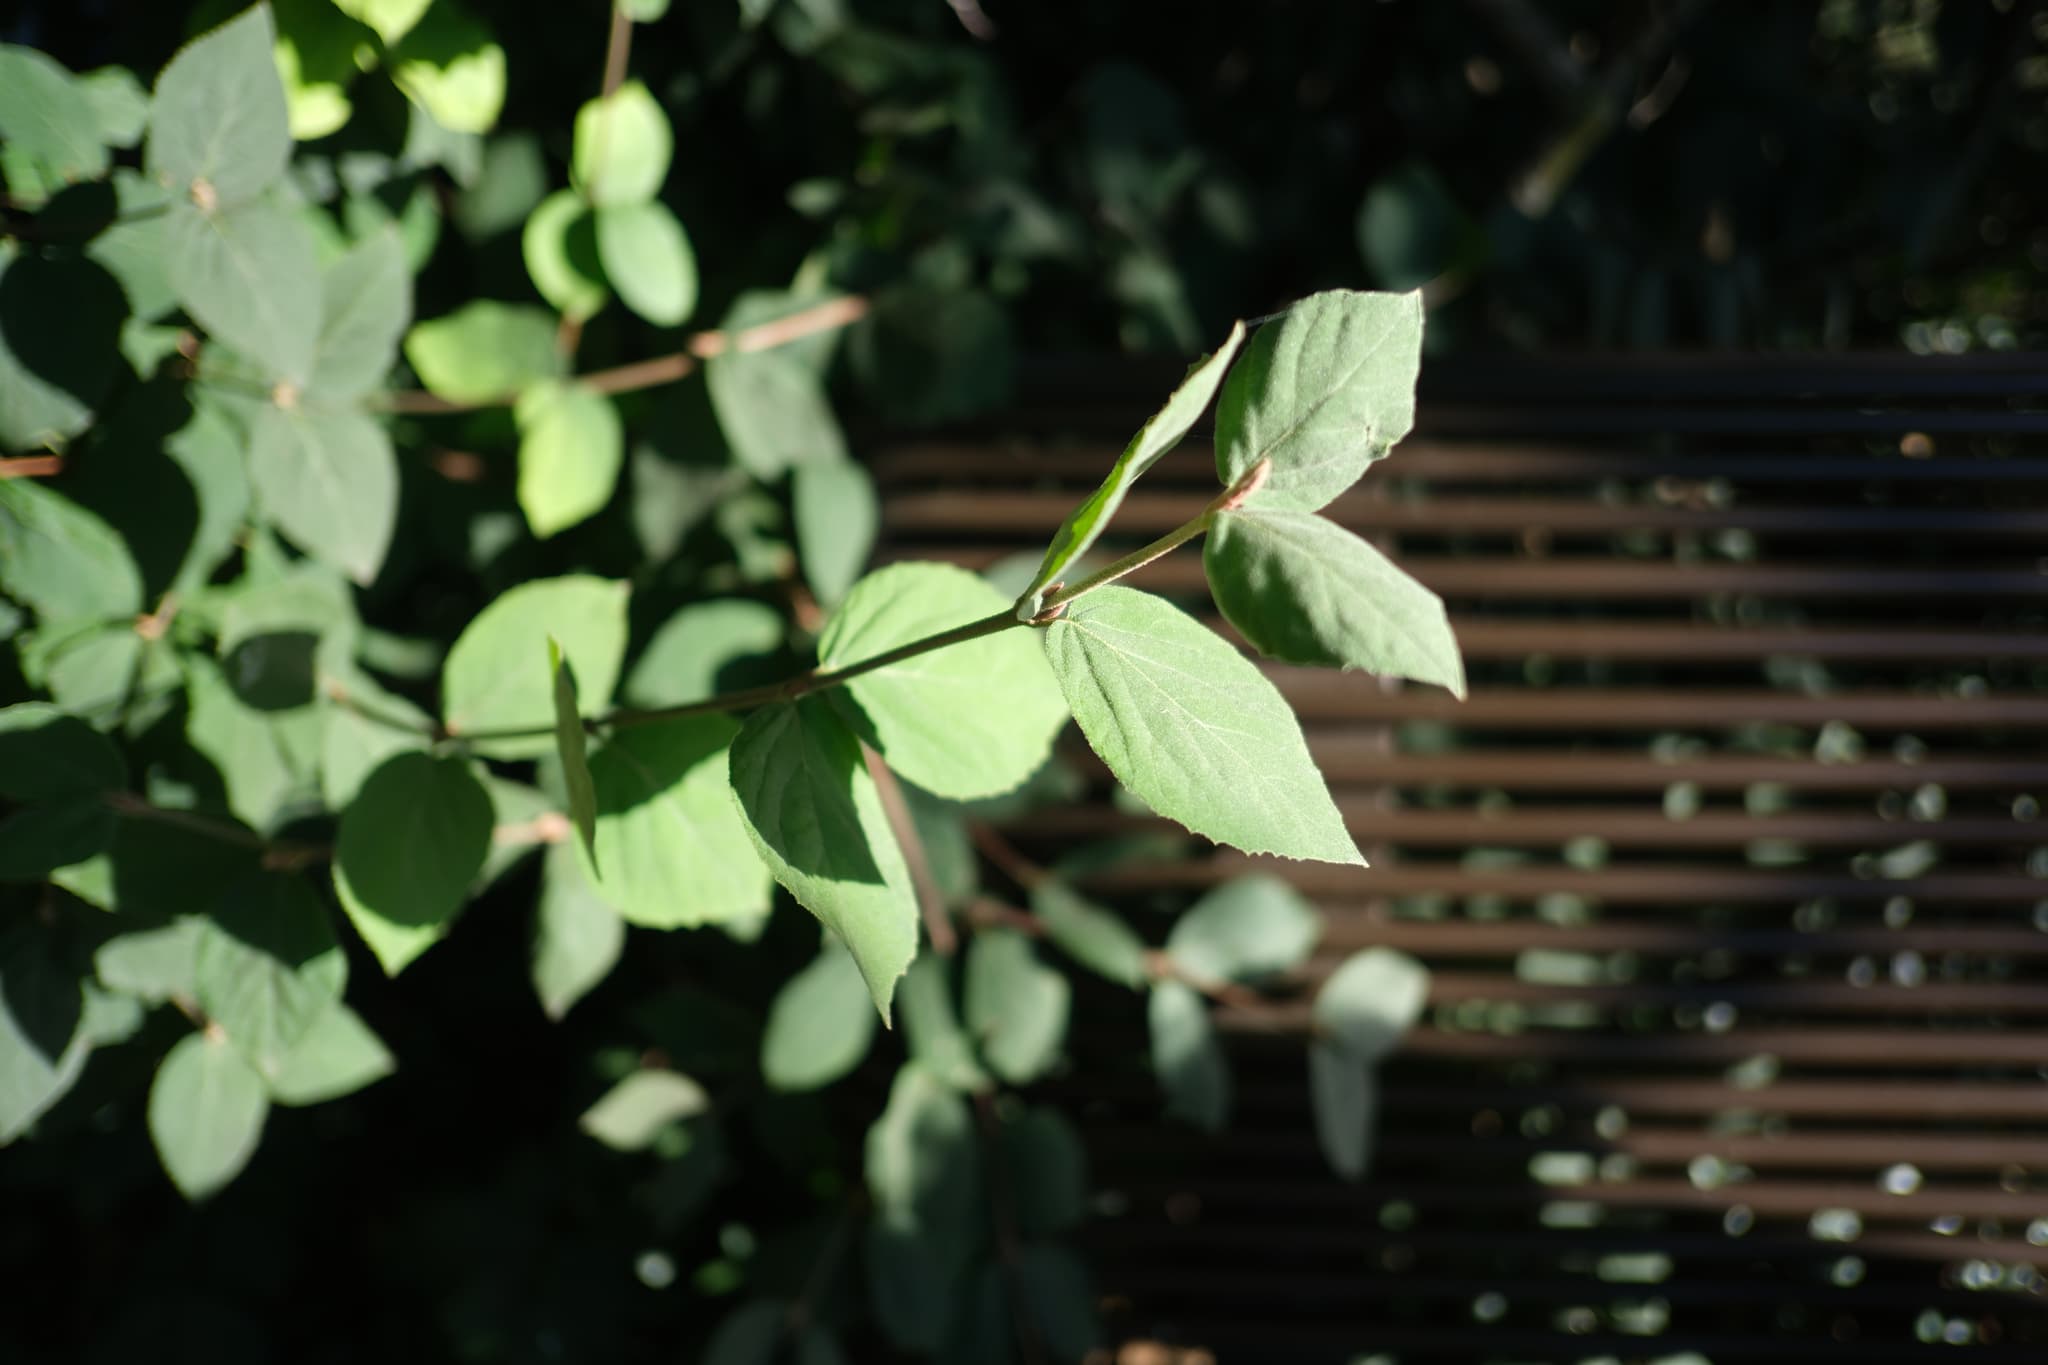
{"x":1004,"y":180}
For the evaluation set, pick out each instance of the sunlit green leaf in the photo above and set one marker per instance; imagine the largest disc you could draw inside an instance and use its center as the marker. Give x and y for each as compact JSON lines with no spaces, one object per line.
{"x":648,"y":259}
{"x":1245,"y":930}
{"x":337,"y":1056}
{"x":820,"y":1025}
{"x":1371,"y":1000}
{"x":218,"y":114}
{"x":206,"y":1112}
{"x":1192,"y":728}
{"x":559,"y":243}
{"x":409,"y":846}
{"x":635,"y":1111}
{"x":49,"y":117}
{"x":329,"y":479}
{"x":837,"y":515}
{"x":571,"y":444}
{"x":577,"y":936}
{"x":249,"y":275}
{"x":484,"y":351}
{"x":449,"y":64}
{"x":496,"y":675}
{"x":392,"y":19}
{"x":696,"y":651}
{"x":622,"y":147}
{"x":365,"y":302}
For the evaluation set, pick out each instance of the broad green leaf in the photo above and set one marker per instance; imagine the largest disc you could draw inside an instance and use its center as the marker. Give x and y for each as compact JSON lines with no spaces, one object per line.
{"x":328,"y":478}
{"x":1048,"y":1171}
{"x":254,"y":752}
{"x":931,"y":1026}
{"x":1086,"y":523}
{"x":696,"y":651}
{"x":37,"y":840}
{"x":49,"y":117}
{"x":837,"y":515}
{"x":970,"y":720}
{"x":219,"y":113}
{"x":559,"y":243}
{"x":1192,"y":728}
{"x":268,"y":966}
{"x":1307,"y":591}
{"x":817,"y":819}
{"x":206,"y":1112}
{"x":354,"y":746}
{"x":1370,"y":1001}
{"x":52,"y":378}
{"x":153,"y":870}
{"x":120,"y":103}
{"x":46,"y":754}
{"x":135,"y":248}
{"x":1322,"y":393}
{"x":1060,"y":1300}
{"x":820,"y":1025}
{"x":337,"y":1056}
{"x":42,"y":1039}
{"x":1344,"y":1092}
{"x":1089,"y":934}
{"x":633,"y":1113}
{"x":773,"y":411}
{"x":409,"y":846}
{"x":648,"y":259}
{"x":153,"y":963}
{"x":1186,"y":1056}
{"x":449,"y":65}
{"x":365,"y":304}
{"x":577,"y":936}
{"x":672,"y":850}
{"x":1245,"y":930}
{"x":392,"y":19}
{"x":923,"y":1163}
{"x":1016,"y":1006}
{"x":749,"y":1335}
{"x":571,"y":748}
{"x":497,"y":677}
{"x":622,"y":147}
{"x":484,"y":351}
{"x":571,"y":444}
{"x":249,"y":275}
{"x":209,"y":451}
{"x":317,"y":54}
{"x":62,"y":560}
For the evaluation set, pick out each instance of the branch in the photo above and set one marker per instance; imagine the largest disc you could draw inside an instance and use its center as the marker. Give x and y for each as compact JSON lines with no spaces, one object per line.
{"x":930,"y":900}
{"x":616,"y":46}
{"x":1004,"y":855}
{"x":647,"y":374}
{"x":31,"y":466}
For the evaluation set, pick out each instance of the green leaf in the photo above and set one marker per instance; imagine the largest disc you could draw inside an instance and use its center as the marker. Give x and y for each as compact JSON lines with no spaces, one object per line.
{"x":209,"y":451}
{"x":392,"y":19}
{"x":1345,"y":1096}
{"x":265,"y":776}
{"x":50,"y":117}
{"x":249,"y":275}
{"x":42,"y":1039}
{"x":329,"y":479}
{"x":820,"y":1025}
{"x":924,"y":1165}
{"x":1086,"y":523}
{"x":267,"y":966}
{"x":337,"y":1056}
{"x":154,"y":963}
{"x":1322,"y":393}
{"x":62,"y":560}
{"x":219,"y":113}
{"x":1089,"y":934}
{"x":352,"y":746}
{"x":1048,"y":1171}
{"x":1186,"y":1056}
{"x":673,"y":850}
{"x":1307,"y":591}
{"x":365,"y":304}
{"x":559,"y":243}
{"x":648,"y":259}
{"x":633,"y":1113}
{"x":569,"y":744}
{"x":622,"y":147}
{"x":1016,"y":1006}
{"x":496,"y":675}
{"x":644,"y":11}
{"x":571,"y":444}
{"x":206,"y":1112}
{"x":1060,"y":1300}
{"x":837,"y":515}
{"x":120,"y":103}
{"x":931,"y":1026}
{"x":409,"y":846}
{"x":773,"y":410}
{"x":1245,"y":930}
{"x":317,"y":52}
{"x":135,"y":248}
{"x":970,"y":720}
{"x":37,"y":840}
{"x":1192,"y":728}
{"x":1371,"y":1000}
{"x":577,"y":936}
{"x":694,"y":653}
{"x":484,"y":351}
{"x":449,"y":65}
{"x":46,"y":754}
{"x":52,"y":378}
{"x":817,"y":820}
{"x":749,"y":1335}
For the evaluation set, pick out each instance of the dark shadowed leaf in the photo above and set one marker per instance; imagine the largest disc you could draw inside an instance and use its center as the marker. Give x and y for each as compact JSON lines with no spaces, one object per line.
{"x":409,"y":845}
{"x":820,"y":1025}
{"x":1186,"y":1056}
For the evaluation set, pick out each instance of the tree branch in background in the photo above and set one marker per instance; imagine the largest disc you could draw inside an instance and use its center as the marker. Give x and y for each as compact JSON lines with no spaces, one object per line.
{"x":930,"y":900}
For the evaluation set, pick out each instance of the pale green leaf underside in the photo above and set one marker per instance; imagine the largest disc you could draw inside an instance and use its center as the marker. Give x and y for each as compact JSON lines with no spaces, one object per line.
{"x":1305,"y":590}
{"x":836,"y":515}
{"x":571,"y":447}
{"x":1186,"y":1056}
{"x":968,"y":721}
{"x":1371,"y":1000}
{"x":820,"y":1025}
{"x":1086,"y":523}
{"x":1245,"y":930}
{"x":329,"y":479}
{"x":1193,"y":728}
{"x":817,"y":819}
{"x":1015,"y":1006}
{"x":633,"y":1113}
{"x":1343,"y":1089}
{"x":206,"y":1112}
{"x":1322,"y":393}
{"x":648,"y":259}
{"x":249,"y":275}
{"x":337,"y":1056}
{"x":577,"y":936}
{"x":671,"y":850}
{"x":219,"y":112}
{"x":366,"y":303}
